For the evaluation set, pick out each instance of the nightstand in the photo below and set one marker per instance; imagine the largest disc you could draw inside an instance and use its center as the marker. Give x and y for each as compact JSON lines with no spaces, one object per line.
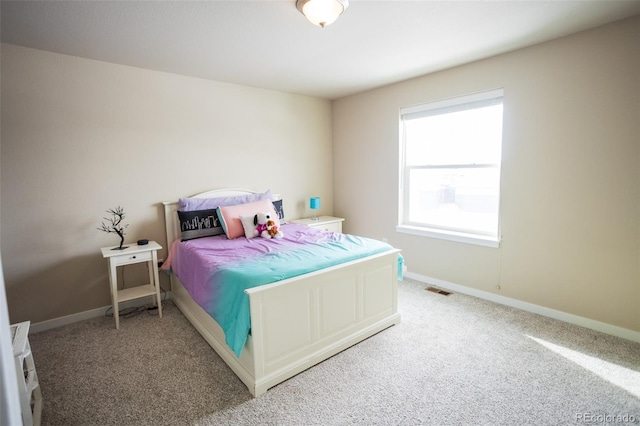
{"x":148,"y":254}
{"x":328,"y":223}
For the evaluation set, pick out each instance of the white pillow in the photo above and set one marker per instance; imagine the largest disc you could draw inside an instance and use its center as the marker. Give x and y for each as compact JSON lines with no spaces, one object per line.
{"x":249,"y":227}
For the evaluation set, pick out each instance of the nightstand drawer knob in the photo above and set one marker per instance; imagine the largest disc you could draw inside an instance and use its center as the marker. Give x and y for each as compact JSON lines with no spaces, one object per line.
{"x":133,"y":257}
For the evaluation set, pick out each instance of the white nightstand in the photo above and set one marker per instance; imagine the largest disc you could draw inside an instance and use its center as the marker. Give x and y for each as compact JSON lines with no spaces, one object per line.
{"x":133,"y":254}
{"x":328,"y":223}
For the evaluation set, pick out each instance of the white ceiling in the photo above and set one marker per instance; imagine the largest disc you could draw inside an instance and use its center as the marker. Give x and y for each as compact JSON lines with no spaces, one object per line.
{"x":269,"y":44}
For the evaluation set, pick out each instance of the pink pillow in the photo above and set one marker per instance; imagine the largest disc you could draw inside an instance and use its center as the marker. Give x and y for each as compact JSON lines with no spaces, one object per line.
{"x":230,"y":216}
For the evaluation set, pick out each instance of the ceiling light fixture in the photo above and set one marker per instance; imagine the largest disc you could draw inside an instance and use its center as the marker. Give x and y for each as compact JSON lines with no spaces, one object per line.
{"x":322,"y":12}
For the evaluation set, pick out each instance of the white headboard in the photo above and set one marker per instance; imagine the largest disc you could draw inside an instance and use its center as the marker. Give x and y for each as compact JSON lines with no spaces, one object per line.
{"x":172,"y":224}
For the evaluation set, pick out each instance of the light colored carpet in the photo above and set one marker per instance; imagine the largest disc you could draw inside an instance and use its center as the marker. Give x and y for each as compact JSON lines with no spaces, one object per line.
{"x":452,"y":360}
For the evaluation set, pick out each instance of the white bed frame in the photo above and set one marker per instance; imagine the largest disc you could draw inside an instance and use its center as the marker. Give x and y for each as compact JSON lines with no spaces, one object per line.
{"x":298,"y":322}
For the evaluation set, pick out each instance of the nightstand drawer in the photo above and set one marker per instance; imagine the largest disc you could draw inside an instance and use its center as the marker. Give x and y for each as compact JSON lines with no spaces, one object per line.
{"x":331,"y":226}
{"x":327,"y":223}
{"x":132,"y":258}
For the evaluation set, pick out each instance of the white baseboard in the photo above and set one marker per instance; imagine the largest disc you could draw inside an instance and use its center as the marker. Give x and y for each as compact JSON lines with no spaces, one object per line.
{"x":93,"y":313}
{"x":530,"y":307}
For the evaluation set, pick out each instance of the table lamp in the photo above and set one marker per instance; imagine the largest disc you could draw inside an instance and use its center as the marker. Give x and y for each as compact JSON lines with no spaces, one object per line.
{"x":314,"y":203}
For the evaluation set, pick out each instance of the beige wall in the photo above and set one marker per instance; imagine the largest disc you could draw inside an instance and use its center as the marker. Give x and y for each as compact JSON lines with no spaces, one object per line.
{"x":81,"y":136}
{"x":570,"y":210}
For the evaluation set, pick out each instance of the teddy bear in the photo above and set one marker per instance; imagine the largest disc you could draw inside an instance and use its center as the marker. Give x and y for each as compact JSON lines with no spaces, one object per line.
{"x":260,"y":221}
{"x":273,"y":230}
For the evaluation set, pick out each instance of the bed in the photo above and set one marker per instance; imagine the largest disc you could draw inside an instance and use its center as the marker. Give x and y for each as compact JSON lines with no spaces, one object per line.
{"x":299,"y":321}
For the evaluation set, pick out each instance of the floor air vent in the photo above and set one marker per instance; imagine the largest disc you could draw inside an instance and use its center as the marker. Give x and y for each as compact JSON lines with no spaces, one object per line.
{"x":439,"y":291}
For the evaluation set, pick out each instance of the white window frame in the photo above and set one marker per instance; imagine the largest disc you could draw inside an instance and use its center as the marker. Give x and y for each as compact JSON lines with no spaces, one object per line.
{"x":433,"y":108}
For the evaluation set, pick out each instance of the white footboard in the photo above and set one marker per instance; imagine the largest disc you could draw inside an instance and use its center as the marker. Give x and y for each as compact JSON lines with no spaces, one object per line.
{"x":298,"y":323}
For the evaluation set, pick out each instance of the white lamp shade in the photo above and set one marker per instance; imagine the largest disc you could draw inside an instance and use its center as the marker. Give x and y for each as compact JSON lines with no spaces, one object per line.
{"x":322,"y":12}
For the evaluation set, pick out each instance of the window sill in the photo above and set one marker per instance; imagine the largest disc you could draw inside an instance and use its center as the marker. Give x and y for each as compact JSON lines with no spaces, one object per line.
{"x":450,"y":236}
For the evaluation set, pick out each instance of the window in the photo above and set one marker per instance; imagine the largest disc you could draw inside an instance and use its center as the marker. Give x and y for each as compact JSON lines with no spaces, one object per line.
{"x":450,"y":168}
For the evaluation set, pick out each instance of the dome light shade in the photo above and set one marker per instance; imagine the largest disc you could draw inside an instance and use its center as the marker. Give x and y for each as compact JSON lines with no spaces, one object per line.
{"x":322,"y":12}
